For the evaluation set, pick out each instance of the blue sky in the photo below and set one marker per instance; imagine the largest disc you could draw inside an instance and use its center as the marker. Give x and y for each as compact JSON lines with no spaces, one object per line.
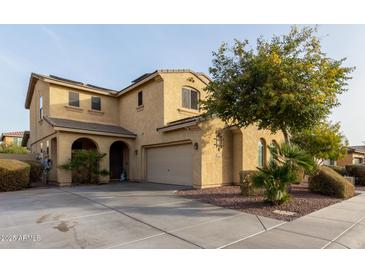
{"x":113,"y":55}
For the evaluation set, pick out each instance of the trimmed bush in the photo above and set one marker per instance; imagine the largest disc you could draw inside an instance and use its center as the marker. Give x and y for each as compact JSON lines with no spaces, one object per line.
{"x":357,"y":171}
{"x":14,"y":175}
{"x":246,"y":184}
{"x":339,"y":169}
{"x":36,"y":171}
{"x":329,"y":182}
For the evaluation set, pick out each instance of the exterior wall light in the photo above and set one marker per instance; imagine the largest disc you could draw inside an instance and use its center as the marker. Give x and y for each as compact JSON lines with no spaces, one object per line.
{"x":219,"y":139}
{"x":196,"y":146}
{"x":136,"y":152}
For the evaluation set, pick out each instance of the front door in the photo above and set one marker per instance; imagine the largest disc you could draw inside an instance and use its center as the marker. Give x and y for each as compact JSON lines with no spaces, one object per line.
{"x":116,"y":160}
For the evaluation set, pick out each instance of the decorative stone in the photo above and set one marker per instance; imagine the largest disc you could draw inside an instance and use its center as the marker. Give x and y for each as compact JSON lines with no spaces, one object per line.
{"x":283,"y":212}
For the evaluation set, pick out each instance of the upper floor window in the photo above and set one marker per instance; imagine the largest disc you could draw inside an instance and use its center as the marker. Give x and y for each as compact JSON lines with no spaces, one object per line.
{"x":190,"y":98}
{"x":140,"y":98}
{"x":73,"y":99}
{"x":95,"y":103}
{"x":261,"y":153}
{"x":41,"y":107}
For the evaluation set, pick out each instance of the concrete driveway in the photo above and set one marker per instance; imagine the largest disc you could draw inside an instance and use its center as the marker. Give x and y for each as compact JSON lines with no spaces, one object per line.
{"x":131,"y":215}
{"x":136,"y":215}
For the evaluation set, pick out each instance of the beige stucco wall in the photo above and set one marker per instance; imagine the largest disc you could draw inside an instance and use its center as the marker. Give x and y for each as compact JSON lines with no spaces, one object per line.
{"x":39,"y":129}
{"x":215,"y":168}
{"x":143,"y":121}
{"x":59,"y":108}
{"x":240,"y":152}
{"x":173,"y":84}
{"x":250,"y":138}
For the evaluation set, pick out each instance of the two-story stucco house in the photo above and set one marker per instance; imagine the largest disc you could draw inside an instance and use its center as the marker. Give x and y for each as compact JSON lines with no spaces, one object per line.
{"x":12,"y":138}
{"x":152,"y":129}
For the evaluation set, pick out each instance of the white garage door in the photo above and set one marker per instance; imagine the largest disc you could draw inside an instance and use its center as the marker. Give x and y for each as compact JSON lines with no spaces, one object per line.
{"x":170,"y":165}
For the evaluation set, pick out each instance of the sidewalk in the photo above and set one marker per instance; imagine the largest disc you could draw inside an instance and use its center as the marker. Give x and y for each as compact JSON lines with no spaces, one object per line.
{"x":341,"y":225}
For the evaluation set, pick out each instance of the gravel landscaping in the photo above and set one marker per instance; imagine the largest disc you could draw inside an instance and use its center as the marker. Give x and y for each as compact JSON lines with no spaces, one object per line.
{"x":302,"y":201}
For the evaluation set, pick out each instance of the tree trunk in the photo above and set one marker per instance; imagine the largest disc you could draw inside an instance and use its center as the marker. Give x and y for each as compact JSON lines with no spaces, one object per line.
{"x":286,"y":135}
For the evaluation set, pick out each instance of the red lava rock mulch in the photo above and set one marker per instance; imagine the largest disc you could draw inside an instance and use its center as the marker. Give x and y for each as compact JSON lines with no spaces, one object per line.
{"x":302,"y":201}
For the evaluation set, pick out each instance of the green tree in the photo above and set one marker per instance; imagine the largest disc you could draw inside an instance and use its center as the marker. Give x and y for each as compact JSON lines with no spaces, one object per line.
{"x":323,"y":141}
{"x":287,"y":83}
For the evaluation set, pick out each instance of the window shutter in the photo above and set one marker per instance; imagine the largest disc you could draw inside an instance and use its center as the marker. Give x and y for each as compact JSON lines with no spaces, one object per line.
{"x":185,"y":98}
{"x":194,"y":100}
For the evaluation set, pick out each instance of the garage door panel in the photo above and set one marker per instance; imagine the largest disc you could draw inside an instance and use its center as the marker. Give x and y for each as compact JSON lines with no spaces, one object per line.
{"x":170,"y":164}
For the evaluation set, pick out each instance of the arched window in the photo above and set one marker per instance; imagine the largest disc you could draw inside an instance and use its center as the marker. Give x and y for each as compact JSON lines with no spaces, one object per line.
{"x":261,"y":153}
{"x":190,"y":98}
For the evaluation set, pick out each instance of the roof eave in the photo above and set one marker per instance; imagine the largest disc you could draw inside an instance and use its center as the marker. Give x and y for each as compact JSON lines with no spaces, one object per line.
{"x":134,"y":85}
{"x":93,"y":132}
{"x":178,"y":126}
{"x":34,"y":77}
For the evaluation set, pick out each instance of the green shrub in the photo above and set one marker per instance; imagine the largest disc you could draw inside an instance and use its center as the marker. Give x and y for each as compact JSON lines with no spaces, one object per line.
{"x":12,"y":149}
{"x":36,"y":171}
{"x":14,"y":175}
{"x":246,"y":183}
{"x":339,"y":169}
{"x":84,"y":165}
{"x":329,"y":182}
{"x":287,"y":166}
{"x":276,"y":179}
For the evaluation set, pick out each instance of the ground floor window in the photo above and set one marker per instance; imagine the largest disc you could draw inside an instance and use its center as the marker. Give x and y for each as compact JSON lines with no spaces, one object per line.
{"x":261,"y":153}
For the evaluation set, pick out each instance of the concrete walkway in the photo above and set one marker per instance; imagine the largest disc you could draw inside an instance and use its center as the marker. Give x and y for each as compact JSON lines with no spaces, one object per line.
{"x":150,"y":215}
{"x":341,"y":225}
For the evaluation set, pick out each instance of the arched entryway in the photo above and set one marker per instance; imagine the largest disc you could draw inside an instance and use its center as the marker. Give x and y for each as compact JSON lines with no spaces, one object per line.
{"x":86,"y":172}
{"x":118,"y":160}
{"x":83,"y":144}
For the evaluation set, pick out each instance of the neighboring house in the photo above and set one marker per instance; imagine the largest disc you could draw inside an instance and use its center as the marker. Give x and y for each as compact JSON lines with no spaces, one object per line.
{"x":152,"y":129}
{"x":12,"y":138}
{"x":355,"y":155}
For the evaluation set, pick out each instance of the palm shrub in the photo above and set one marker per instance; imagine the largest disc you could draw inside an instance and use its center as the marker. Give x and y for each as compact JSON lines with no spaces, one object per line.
{"x":275,"y":179}
{"x":84,"y":165}
{"x":285,"y":163}
{"x":299,"y":160}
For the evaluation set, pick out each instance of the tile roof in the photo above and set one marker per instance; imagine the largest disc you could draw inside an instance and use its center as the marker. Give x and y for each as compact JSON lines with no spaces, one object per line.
{"x":136,"y":81}
{"x":11,"y":134}
{"x":357,"y":148}
{"x":73,"y":82}
{"x":78,"y":125}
